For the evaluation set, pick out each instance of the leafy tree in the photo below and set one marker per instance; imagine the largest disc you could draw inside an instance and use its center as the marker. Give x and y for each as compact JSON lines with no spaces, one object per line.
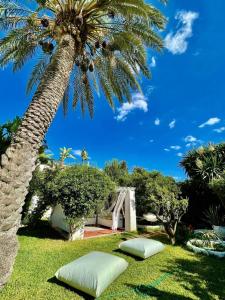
{"x":147,"y":184}
{"x":139,"y":179}
{"x":168,"y":210}
{"x":82,"y":43}
{"x":7,"y":132}
{"x":81,"y":191}
{"x":118,"y":172}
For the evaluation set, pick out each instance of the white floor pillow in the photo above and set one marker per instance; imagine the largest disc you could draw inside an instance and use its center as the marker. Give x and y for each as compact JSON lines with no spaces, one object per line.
{"x":92,"y":273}
{"x":141,"y":247}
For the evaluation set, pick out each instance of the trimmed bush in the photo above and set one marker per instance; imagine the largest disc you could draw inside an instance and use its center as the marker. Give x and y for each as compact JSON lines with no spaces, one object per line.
{"x":80,"y":190}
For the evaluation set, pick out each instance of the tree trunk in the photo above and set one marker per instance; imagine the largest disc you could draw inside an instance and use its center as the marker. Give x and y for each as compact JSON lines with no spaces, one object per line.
{"x":173,"y":240}
{"x":18,"y":163}
{"x":171,"y":233}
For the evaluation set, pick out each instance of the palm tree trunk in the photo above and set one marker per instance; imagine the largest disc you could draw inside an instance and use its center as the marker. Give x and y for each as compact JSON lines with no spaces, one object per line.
{"x":18,"y":163}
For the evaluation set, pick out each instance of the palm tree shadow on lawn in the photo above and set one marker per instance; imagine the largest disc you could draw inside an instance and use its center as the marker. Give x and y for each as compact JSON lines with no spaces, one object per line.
{"x":204,"y":278}
{"x":145,"y":292}
{"x":41,"y":230}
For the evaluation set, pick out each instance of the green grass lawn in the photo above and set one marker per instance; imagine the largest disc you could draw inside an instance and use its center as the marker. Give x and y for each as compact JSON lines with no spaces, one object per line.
{"x":173,"y":274}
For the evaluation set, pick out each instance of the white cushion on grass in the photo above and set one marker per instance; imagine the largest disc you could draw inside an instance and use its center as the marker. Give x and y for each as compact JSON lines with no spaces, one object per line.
{"x":141,"y":247}
{"x":92,"y":273}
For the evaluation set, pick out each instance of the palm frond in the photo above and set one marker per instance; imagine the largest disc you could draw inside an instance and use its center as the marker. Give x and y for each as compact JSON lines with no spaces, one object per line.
{"x":17,"y":46}
{"x":111,"y":38}
{"x":37,"y":73}
{"x":12,"y":14}
{"x":65,"y":100}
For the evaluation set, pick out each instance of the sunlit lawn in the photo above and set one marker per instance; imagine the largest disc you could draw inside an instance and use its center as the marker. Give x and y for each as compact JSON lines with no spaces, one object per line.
{"x":173,"y":274}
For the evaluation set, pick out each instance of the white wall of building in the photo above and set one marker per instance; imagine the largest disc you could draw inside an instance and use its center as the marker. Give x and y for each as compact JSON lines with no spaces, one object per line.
{"x":130,"y":211}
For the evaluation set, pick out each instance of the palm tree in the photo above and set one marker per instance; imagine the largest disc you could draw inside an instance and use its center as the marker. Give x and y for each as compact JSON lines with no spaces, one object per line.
{"x":205,"y":163}
{"x":84,"y":156}
{"x":64,"y":154}
{"x":81,"y":44}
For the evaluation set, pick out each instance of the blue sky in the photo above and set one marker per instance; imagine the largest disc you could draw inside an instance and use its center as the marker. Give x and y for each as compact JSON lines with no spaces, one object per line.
{"x":181,"y":107}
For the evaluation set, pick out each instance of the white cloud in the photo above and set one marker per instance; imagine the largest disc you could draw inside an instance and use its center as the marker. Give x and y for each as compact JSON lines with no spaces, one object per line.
{"x":139,"y":101}
{"x":77,"y":152}
{"x":167,"y":150}
{"x":151,"y":141}
{"x":177,"y":43}
{"x":190,"y":139}
{"x":190,"y":144}
{"x":210,"y":122}
{"x":153,"y":62}
{"x":172,"y":124}
{"x":179,"y":154}
{"x":157,"y":122}
{"x":219,"y":130}
{"x":175,"y":147}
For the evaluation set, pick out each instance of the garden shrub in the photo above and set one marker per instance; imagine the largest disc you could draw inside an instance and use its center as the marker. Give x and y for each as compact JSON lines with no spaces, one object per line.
{"x":80,"y":190}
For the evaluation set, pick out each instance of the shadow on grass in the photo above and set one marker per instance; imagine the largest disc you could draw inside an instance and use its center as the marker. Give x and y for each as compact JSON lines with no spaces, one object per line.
{"x":128,"y":254}
{"x":161,"y":237}
{"x":41,"y":230}
{"x":54,"y":280}
{"x":205,"y":277}
{"x":144,"y":291}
